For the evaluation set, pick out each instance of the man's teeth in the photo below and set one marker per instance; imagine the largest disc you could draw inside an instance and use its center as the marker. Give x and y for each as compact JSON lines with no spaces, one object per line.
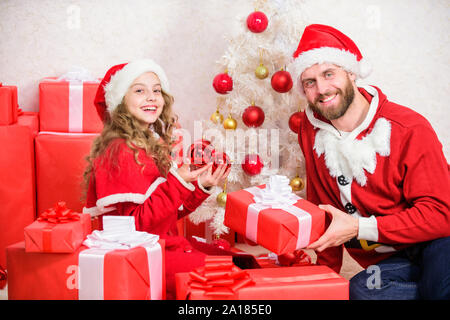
{"x":328,"y":99}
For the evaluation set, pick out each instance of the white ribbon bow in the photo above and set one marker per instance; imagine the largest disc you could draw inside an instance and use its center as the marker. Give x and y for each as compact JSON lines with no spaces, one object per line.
{"x":277,"y":194}
{"x":119,"y":233}
{"x":77,"y":74}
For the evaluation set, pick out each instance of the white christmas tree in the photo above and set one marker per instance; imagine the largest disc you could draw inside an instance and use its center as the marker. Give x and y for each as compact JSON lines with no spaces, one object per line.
{"x":273,"y":141}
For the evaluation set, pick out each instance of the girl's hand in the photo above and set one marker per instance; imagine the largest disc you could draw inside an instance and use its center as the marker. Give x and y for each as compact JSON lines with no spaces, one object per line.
{"x":185,"y":172}
{"x":209,"y":179}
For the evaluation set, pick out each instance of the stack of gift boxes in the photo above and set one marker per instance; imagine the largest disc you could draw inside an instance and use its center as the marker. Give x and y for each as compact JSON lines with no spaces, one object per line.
{"x":42,"y":163}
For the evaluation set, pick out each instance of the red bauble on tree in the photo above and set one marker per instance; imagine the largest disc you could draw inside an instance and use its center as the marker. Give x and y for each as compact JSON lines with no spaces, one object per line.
{"x":281,"y":81}
{"x":294,"y":121}
{"x":202,"y":152}
{"x":253,"y":116}
{"x":252,"y":164}
{"x":257,"y":22}
{"x":220,"y":158}
{"x":223,"y":83}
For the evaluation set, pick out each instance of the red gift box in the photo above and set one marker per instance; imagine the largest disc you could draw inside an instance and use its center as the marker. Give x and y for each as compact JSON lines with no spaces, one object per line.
{"x":55,"y":276}
{"x":60,"y":163}
{"x":30,"y":120}
{"x":17,"y":187}
{"x":8,"y":105}
{"x":45,"y":235}
{"x":290,"y":283}
{"x":278,"y":230}
{"x":68,"y":106}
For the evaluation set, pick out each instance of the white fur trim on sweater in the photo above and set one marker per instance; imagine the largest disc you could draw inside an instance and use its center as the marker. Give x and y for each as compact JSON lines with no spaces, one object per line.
{"x":368,"y":229}
{"x":207,"y":191}
{"x":350,"y":157}
{"x":187,"y":185}
{"x":118,"y":86}
{"x":102,"y":204}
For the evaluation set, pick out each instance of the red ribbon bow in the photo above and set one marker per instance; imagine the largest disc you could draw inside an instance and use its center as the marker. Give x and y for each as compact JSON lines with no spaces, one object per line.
{"x":296,"y":258}
{"x":59,"y":214}
{"x":219,"y":277}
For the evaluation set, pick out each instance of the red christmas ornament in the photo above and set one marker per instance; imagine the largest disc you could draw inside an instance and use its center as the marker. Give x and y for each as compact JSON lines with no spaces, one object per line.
{"x":253,"y":116}
{"x":220,"y":158}
{"x":294,"y":121}
{"x":223,"y":83}
{"x":252,"y":164}
{"x":221,"y":244}
{"x":257,"y":22}
{"x":281,"y":81}
{"x":202,"y":152}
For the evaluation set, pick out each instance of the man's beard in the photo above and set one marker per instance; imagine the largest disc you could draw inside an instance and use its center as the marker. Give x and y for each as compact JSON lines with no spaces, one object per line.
{"x":334,"y":113}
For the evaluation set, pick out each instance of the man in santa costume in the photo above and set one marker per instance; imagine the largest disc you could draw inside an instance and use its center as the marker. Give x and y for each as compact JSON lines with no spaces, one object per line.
{"x":377,"y":169}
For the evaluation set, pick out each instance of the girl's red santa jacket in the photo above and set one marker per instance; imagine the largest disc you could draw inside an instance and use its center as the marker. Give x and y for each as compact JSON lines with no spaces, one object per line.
{"x":390,"y":172}
{"x":120,"y":186}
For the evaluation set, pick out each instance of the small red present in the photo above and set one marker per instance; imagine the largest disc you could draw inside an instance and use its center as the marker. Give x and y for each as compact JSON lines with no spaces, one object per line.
{"x":8,"y":105}
{"x":56,"y":276}
{"x":58,"y":229}
{"x":68,"y":106}
{"x":274,"y":217}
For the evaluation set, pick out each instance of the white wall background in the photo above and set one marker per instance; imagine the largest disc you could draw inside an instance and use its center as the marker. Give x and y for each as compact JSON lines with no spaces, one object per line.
{"x":407,"y":42}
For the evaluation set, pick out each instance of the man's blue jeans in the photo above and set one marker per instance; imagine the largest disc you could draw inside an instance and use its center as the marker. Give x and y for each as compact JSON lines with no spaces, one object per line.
{"x":397,"y":278}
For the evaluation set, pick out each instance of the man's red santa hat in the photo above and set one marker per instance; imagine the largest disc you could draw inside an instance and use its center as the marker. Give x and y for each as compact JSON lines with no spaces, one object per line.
{"x":321,"y":44}
{"x":119,"y":78}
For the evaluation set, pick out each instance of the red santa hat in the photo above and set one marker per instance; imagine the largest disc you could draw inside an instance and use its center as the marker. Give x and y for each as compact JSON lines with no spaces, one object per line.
{"x":119,"y":78}
{"x":320,"y":44}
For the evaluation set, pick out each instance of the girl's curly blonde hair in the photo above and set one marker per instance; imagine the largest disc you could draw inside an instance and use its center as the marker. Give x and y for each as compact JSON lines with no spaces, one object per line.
{"x":121,"y":124}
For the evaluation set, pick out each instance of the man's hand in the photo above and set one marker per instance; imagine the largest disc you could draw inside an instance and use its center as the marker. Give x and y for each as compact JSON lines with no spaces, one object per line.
{"x":342,"y":228}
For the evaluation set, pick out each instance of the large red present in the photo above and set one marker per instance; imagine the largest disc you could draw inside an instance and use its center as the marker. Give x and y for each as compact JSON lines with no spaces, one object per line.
{"x":8,"y":105}
{"x":17,"y":187}
{"x":274,"y":217}
{"x":58,"y":229}
{"x":222,"y":281}
{"x":60,"y":163}
{"x":56,"y":276}
{"x":68,"y":106}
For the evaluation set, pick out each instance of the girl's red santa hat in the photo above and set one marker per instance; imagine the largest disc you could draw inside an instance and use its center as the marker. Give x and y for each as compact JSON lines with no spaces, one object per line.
{"x":119,"y":78}
{"x":321,"y":44}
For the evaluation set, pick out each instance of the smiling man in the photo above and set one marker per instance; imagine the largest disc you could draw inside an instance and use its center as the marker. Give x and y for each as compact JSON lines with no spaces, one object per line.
{"x":378,"y":170}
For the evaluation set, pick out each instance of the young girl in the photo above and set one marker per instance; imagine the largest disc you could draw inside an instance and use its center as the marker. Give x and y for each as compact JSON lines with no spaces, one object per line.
{"x":130,"y":169}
